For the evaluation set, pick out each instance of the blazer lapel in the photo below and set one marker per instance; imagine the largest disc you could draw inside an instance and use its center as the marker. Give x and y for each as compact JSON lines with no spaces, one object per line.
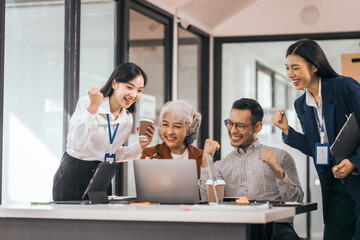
{"x":328,"y":108}
{"x":164,"y":151}
{"x":194,"y":153}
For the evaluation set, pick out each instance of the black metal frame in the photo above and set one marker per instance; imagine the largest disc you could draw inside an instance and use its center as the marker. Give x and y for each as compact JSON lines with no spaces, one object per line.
{"x":123,"y":8}
{"x":308,"y":197}
{"x":122,"y":31}
{"x":121,"y":56}
{"x":218,"y":42}
{"x":217,"y":93}
{"x":71,"y":62}
{"x":2,"y":48}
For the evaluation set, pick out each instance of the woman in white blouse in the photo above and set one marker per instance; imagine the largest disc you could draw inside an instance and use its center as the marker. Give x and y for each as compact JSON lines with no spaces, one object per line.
{"x":101,"y":123}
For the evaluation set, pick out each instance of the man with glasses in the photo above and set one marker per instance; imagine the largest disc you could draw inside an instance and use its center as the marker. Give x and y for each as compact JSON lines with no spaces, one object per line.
{"x":253,"y":170}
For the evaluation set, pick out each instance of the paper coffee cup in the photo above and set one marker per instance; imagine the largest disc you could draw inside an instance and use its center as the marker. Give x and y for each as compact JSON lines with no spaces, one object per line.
{"x":219,"y":186}
{"x":144,"y":123}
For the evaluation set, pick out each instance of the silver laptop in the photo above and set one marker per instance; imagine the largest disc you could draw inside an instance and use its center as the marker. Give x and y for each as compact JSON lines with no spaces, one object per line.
{"x":166,"y":181}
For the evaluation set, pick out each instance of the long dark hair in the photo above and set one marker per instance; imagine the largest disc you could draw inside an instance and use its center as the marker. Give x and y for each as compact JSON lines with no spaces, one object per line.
{"x":124,"y":72}
{"x":312,"y":53}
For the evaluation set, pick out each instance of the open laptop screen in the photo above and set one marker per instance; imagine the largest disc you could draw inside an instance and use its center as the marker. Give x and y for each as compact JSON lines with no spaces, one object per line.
{"x":166,"y":181}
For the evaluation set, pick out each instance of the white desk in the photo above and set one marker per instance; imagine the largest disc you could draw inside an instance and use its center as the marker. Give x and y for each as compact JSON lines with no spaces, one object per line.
{"x":115,"y":221}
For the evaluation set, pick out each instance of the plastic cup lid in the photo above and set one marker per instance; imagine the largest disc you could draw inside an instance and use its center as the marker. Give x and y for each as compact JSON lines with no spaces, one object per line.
{"x":209,"y":182}
{"x":146,"y":120}
{"x":220,"y":182}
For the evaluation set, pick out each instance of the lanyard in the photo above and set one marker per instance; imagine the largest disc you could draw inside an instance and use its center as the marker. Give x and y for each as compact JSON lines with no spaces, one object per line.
{"x":116,"y":128}
{"x":321,"y":125}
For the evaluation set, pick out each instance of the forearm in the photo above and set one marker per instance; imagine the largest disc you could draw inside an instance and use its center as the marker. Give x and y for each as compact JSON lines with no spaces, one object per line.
{"x":290,"y":191}
{"x":290,"y":187}
{"x":131,"y":152}
{"x":297,"y":140}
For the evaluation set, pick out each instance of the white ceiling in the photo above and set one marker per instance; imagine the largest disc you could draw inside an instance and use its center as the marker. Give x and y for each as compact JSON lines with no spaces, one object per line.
{"x":209,"y":12}
{"x":205,"y":14}
{"x":266,"y":17}
{"x":272,"y":17}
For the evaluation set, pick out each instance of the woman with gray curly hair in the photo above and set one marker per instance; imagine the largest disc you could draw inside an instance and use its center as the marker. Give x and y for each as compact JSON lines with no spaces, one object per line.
{"x":179,"y":127}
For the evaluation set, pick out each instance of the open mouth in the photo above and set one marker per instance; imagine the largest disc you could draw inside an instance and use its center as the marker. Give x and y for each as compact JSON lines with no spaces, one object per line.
{"x":170,"y":139}
{"x":235,"y":138}
{"x":128,"y":101}
{"x":295,"y":82}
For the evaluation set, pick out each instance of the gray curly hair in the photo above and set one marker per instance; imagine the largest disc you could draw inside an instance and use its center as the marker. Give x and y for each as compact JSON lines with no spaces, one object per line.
{"x":185,"y":113}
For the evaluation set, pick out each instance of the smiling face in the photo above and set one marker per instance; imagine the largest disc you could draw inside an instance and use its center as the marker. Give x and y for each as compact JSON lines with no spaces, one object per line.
{"x":173,"y":132}
{"x":301,"y":73}
{"x":127,"y":93}
{"x":242,"y":139}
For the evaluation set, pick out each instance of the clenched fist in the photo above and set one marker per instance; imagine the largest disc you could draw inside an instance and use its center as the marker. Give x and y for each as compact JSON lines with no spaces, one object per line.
{"x":269,"y":159}
{"x":210,"y":147}
{"x":96,"y":98}
{"x":279,"y":120}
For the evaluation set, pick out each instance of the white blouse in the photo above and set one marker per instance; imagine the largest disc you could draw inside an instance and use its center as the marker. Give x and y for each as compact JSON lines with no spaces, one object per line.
{"x":88,"y":136}
{"x":184,"y":155}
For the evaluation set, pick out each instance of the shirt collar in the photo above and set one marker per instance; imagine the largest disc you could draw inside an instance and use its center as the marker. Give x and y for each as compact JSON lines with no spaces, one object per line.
{"x":309,"y":98}
{"x":251,"y":148}
{"x":104,"y":108}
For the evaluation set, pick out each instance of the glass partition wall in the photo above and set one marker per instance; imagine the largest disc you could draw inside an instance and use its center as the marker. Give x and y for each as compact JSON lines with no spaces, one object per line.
{"x":147,"y":48}
{"x":189,"y":74}
{"x":97,"y":41}
{"x":33,"y":99}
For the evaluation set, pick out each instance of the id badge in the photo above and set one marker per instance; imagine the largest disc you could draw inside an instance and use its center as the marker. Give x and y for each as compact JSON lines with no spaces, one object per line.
{"x":322,"y":154}
{"x":109,"y":156}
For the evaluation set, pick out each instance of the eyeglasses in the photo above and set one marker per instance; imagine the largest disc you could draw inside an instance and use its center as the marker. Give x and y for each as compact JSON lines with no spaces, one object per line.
{"x":239,"y":126}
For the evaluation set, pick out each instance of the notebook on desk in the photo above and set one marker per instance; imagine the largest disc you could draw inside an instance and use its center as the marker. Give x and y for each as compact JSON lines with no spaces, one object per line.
{"x":166,"y":181}
{"x":98,"y":185}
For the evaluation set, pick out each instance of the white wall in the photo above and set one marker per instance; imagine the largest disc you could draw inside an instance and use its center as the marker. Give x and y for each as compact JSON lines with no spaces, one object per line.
{"x":270,"y":17}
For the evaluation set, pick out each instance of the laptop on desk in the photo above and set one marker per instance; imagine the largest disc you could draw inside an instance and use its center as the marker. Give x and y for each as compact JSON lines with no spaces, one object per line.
{"x":166,"y":181}
{"x":98,"y":185}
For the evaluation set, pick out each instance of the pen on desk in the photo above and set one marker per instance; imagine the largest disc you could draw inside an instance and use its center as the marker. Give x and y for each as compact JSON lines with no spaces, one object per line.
{"x":153,"y":156}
